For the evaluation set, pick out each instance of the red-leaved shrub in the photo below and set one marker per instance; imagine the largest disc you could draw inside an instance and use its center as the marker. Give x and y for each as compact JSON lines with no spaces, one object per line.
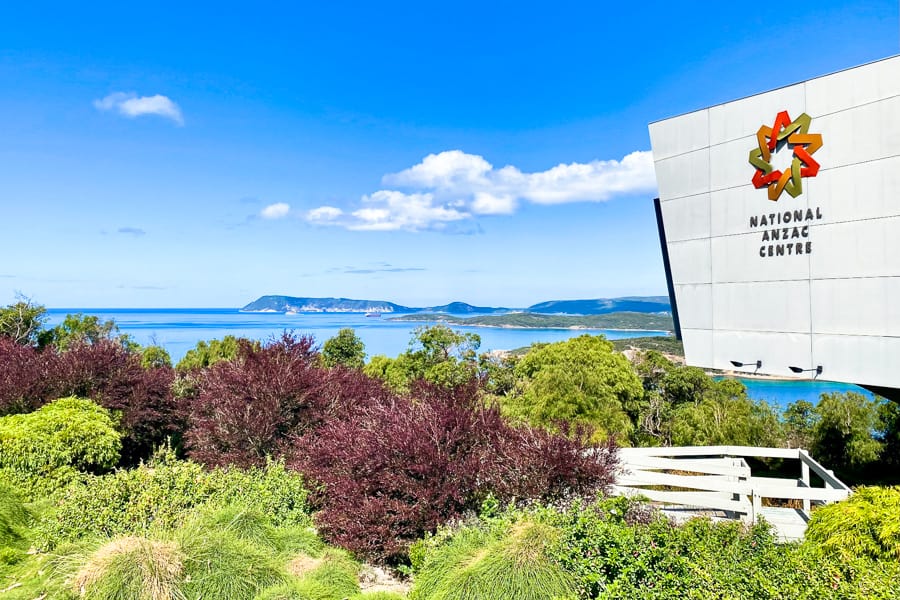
{"x":393,"y":470}
{"x":23,"y":380}
{"x":250,"y":407}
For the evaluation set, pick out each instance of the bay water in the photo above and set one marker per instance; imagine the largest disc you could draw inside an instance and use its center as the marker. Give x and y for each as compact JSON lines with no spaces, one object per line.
{"x":179,"y":329}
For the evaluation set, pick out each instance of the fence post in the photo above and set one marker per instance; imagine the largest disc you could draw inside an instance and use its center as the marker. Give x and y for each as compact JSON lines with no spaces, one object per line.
{"x":804,"y":477}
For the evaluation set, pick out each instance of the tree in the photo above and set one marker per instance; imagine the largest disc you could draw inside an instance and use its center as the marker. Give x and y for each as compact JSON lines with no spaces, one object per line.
{"x":206,"y":354}
{"x":344,"y":349}
{"x":581,"y":381}
{"x":436,"y":354}
{"x":22,"y":321}
{"x":724,"y":415}
{"x":799,"y":422}
{"x":843,"y":435}
{"x":154,"y":357}
{"x":83,"y":329}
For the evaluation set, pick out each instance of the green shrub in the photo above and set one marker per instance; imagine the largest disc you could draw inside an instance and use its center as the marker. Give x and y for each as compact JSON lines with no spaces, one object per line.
{"x":866,"y":524}
{"x":480,"y":565}
{"x":162,"y":494}
{"x":378,"y":596}
{"x":42,"y":450}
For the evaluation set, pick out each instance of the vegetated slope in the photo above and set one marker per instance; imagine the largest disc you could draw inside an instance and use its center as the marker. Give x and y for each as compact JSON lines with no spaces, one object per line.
{"x":460,"y":308}
{"x":619,"y":320}
{"x":667,"y":345}
{"x":600,"y":306}
{"x":300,"y":304}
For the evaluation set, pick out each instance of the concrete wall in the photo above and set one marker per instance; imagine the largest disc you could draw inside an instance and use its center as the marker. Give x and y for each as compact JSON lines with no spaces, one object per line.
{"x":837,"y":306}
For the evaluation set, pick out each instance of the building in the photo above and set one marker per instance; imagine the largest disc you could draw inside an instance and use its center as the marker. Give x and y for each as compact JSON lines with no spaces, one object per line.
{"x":779,"y":220}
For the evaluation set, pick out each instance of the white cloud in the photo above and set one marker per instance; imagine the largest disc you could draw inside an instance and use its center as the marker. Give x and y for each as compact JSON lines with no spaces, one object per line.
{"x":455,"y":186}
{"x":324,"y":214}
{"x":131,"y":105}
{"x":279,"y":210}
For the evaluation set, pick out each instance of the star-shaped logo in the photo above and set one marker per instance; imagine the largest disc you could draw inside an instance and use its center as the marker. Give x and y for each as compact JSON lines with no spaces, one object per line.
{"x":804,"y":144}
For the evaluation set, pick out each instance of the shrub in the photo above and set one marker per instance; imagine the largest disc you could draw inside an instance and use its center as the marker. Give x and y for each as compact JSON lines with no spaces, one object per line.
{"x":866,"y":524}
{"x":515,"y":565}
{"x":105,"y":371}
{"x":131,"y":567}
{"x":392,"y":471}
{"x":67,"y":432}
{"x":22,"y":378}
{"x":162,"y":495}
{"x":13,"y":516}
{"x":248,"y":408}
{"x":114,"y":377}
{"x":43,"y":450}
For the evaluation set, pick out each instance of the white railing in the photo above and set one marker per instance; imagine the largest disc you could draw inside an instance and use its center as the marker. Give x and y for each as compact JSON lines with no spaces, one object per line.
{"x":717,"y":478}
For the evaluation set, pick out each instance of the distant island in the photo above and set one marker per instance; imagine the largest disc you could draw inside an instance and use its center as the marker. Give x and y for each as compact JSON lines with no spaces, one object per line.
{"x":598,"y":306}
{"x":529,"y":320}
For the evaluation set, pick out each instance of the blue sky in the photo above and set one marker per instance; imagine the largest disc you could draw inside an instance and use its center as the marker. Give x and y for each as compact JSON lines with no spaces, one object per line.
{"x":179,"y":155}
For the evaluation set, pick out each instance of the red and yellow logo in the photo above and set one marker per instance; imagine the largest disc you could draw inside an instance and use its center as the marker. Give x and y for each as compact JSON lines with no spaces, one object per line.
{"x":794,"y":134}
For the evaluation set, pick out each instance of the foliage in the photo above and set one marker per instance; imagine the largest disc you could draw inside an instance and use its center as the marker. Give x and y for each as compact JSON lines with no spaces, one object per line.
{"x":478,"y":565}
{"x":104,"y":371}
{"x":865,"y":524}
{"x":22,"y":321}
{"x":248,"y":408}
{"x":43,"y":449}
{"x":24,"y":376}
{"x":206,"y":354}
{"x":842,"y":437}
{"x":666,"y":344}
{"x":155,"y":357}
{"x":725,"y":415}
{"x":393,"y":470}
{"x":79,"y":329}
{"x":345,"y":349}
{"x":581,"y":381}
{"x":162,"y":494}
{"x":436,"y":354}
{"x":799,"y":422}
{"x":13,"y":516}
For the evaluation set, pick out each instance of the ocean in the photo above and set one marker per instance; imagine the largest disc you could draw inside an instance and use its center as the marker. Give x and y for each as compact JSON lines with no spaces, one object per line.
{"x":179,"y":329}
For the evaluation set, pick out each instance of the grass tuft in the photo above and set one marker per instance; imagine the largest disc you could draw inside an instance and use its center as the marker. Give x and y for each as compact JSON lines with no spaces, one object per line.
{"x":479,"y":568}
{"x":13,"y":517}
{"x":220,"y":566}
{"x":131,"y":567}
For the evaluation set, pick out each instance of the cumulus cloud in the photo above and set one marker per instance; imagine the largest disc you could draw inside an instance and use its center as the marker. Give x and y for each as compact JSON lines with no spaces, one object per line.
{"x":279,"y":210}
{"x":454,"y":186}
{"x":131,"y":105}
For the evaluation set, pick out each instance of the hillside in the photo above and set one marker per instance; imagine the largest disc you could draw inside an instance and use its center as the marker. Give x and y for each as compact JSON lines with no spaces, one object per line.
{"x":526,"y":320}
{"x":598,"y":306}
{"x":298,"y":304}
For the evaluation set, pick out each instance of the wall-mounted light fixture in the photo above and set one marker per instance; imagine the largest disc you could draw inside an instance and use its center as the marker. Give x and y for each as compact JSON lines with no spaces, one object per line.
{"x":757,"y":364}
{"x":817,"y":369}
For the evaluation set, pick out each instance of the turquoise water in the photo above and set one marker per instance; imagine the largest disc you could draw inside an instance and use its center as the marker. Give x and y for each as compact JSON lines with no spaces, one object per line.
{"x":782,"y":393}
{"x":179,"y":330}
